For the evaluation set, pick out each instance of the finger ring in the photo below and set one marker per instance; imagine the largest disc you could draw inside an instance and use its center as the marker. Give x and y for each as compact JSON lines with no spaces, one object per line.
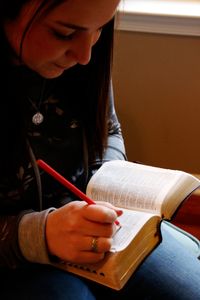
{"x":94,"y":246}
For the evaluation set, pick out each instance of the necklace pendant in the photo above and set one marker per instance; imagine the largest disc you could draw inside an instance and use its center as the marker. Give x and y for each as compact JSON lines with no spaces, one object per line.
{"x":37,"y":118}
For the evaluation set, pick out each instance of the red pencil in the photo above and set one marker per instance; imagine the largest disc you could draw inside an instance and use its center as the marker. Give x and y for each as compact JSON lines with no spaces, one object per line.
{"x":66,"y":183}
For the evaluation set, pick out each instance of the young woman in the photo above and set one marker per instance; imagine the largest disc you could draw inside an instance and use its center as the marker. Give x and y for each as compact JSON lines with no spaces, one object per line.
{"x":57,"y":105}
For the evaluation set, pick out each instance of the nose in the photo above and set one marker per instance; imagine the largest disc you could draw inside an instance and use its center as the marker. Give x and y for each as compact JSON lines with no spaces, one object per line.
{"x":82,"y":46}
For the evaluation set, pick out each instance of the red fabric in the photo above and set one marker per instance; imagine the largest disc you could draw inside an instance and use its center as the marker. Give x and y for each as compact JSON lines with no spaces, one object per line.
{"x":188,"y":215}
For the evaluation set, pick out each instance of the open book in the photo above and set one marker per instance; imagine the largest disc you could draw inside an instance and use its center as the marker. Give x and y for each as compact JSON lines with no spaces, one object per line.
{"x":147,"y":195}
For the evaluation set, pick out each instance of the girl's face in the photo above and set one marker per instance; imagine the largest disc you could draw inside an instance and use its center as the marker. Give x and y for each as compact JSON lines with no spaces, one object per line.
{"x":62,"y":38}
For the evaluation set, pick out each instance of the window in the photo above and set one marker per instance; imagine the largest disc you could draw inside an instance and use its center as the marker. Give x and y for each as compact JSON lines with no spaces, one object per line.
{"x":160,"y":16}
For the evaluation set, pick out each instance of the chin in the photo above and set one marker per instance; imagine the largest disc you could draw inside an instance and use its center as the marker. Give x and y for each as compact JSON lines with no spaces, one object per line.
{"x":51,"y":74}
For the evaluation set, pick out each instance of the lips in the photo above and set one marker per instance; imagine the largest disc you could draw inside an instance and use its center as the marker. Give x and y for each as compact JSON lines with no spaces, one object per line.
{"x":60,"y":67}
{"x":65,"y":67}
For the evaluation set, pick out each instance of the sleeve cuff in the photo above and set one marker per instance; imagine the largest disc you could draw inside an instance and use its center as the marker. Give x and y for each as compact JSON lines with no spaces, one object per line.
{"x":32,"y":239}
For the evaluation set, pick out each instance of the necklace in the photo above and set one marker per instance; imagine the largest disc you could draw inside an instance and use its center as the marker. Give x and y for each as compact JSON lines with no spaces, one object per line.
{"x":38,"y":117}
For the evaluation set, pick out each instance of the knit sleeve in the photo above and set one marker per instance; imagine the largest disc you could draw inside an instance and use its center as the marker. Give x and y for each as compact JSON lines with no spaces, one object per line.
{"x":22,"y":239}
{"x":115,"y":148}
{"x":10,"y":253}
{"x":32,"y":237}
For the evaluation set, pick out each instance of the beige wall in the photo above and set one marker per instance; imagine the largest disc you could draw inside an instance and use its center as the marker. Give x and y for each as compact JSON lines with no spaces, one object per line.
{"x":157,"y":92}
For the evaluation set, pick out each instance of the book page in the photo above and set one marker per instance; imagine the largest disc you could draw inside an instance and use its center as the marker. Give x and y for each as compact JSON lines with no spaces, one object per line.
{"x":135,"y":186}
{"x":131,"y":223}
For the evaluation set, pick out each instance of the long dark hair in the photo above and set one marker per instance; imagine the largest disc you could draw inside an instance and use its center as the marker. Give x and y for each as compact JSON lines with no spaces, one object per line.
{"x":94,"y":78}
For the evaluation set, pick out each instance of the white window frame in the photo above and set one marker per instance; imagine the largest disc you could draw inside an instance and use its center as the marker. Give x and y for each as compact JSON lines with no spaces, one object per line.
{"x":160,"y":16}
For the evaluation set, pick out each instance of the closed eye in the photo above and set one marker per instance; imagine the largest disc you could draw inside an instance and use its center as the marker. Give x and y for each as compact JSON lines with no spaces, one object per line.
{"x":63,"y":37}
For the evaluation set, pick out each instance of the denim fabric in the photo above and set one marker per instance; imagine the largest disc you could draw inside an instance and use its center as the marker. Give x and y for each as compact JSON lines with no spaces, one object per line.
{"x":40,"y":282}
{"x":170,"y":272}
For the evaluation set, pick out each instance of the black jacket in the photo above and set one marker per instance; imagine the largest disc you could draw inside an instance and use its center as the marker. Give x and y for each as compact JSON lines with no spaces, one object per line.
{"x":27,"y":195}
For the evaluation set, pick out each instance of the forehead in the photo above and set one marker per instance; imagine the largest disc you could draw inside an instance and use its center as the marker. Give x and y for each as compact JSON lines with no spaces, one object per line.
{"x":86,"y":13}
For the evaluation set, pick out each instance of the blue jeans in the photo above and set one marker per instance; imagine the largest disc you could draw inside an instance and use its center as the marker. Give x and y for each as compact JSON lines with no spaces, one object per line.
{"x":169,"y":272}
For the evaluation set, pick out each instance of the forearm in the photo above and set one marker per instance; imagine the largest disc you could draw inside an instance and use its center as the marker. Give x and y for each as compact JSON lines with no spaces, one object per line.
{"x":10,"y":253}
{"x":22,"y":239}
{"x":32,"y":237}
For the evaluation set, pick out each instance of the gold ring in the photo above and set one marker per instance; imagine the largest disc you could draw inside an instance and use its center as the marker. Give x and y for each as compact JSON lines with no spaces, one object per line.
{"x":94,"y":246}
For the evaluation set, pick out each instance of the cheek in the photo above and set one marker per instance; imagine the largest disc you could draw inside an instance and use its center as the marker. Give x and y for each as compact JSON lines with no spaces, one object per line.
{"x":39,"y":45}
{"x":40,"y":50}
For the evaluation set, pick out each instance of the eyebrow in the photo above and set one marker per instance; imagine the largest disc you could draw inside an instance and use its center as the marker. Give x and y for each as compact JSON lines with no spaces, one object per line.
{"x":73,"y":26}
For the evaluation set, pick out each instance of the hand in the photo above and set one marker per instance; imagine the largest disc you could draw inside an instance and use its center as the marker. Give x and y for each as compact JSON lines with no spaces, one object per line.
{"x":71,"y":229}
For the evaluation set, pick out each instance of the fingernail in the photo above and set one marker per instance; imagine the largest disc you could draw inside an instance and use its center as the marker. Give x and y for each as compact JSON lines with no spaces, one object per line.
{"x":119,"y":212}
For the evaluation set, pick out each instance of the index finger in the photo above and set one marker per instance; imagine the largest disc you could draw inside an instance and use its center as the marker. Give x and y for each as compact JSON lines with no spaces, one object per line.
{"x":100,"y":213}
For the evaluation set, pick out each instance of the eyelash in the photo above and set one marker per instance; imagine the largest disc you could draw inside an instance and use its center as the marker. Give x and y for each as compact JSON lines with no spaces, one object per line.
{"x":63,"y":37}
